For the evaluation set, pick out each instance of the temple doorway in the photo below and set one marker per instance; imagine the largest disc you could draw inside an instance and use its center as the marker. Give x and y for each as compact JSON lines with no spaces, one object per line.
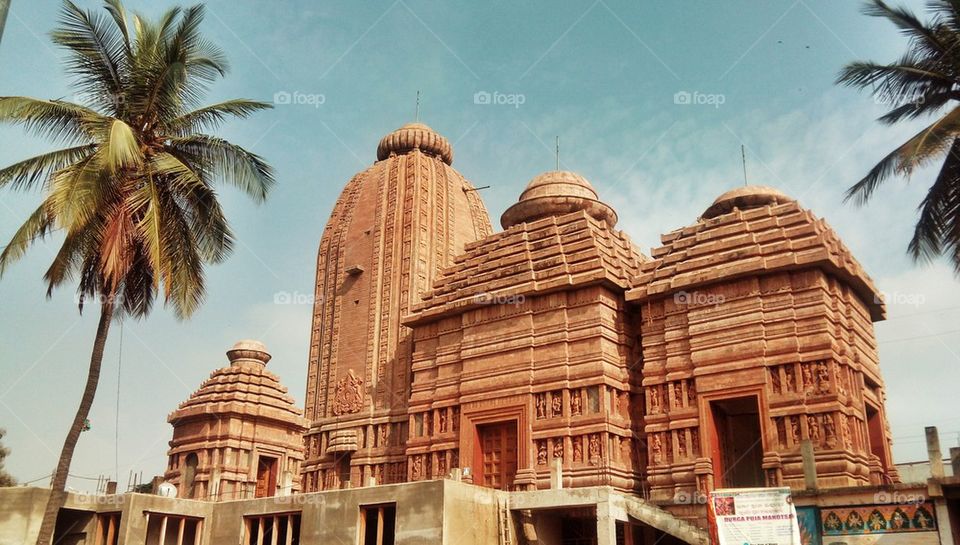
{"x":875,"y":430}
{"x":737,"y":448}
{"x":498,"y":454}
{"x":266,"y":477}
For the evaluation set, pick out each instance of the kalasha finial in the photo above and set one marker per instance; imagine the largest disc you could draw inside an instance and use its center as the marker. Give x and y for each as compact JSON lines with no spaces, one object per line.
{"x":248,"y":351}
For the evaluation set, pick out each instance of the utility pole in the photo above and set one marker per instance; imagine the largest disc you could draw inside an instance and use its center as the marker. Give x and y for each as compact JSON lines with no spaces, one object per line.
{"x":4,"y":7}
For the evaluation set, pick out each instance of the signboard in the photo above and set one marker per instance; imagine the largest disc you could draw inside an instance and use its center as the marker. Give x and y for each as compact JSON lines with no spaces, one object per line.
{"x":753,"y":516}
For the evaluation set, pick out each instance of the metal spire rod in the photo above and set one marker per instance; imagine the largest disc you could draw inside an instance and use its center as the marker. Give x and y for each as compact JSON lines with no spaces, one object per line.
{"x":558,"y":153}
{"x":417,"y":119}
{"x":743,"y":157}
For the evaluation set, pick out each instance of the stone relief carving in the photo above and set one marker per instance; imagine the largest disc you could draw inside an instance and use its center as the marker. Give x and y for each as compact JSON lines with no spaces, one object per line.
{"x":829,"y":431}
{"x":541,"y":403}
{"x":349,"y":394}
{"x":556,"y":404}
{"x":823,"y":378}
{"x":593,"y":448}
{"x":576,"y":403}
{"x":795,"y":429}
{"x":578,"y":449}
{"x":807,"y":377}
{"x":656,"y":449}
{"x":417,"y":467}
{"x":655,"y":400}
{"x":791,"y":378}
{"x":541,"y":453}
{"x":813,"y":428}
{"x":558,"y":448}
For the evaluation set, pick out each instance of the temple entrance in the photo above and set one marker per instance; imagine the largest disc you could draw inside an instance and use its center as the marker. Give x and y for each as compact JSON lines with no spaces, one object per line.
{"x":498,"y":454}
{"x":737,"y":448}
{"x":875,"y":429}
{"x":266,"y":477}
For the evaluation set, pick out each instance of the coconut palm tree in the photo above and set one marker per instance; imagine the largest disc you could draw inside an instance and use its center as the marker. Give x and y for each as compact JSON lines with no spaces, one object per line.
{"x":132,"y":192}
{"x":925,"y":81}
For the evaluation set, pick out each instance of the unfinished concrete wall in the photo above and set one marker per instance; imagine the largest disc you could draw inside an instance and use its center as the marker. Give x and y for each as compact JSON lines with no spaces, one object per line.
{"x":21,"y":513}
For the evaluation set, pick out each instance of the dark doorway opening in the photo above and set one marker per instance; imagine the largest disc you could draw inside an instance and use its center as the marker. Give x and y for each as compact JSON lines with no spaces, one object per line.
{"x":737,"y":448}
{"x":190,"y":476}
{"x":266,"y":476}
{"x":497,"y":454}
{"x":875,"y":430}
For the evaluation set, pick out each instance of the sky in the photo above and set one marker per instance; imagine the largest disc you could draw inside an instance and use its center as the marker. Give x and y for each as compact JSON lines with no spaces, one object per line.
{"x":652,"y":102}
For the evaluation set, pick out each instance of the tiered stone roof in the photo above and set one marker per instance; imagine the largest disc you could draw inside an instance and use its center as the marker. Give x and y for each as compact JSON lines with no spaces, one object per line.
{"x":749,"y":231}
{"x":555,"y":193}
{"x":542,"y":256}
{"x":245,"y":387}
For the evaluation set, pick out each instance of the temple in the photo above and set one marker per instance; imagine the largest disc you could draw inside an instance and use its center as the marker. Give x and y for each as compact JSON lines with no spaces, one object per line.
{"x":547,"y":383}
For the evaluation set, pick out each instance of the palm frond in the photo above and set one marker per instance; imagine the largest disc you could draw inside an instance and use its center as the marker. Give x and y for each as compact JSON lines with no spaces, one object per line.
{"x":201,"y":208}
{"x":58,"y":120}
{"x":229,"y":162}
{"x":121,"y":149}
{"x":919,"y":150}
{"x":926,"y":105}
{"x":25,"y":174}
{"x":37,"y":225}
{"x":212,"y":116}
{"x":938,"y":227}
{"x":97,"y":54}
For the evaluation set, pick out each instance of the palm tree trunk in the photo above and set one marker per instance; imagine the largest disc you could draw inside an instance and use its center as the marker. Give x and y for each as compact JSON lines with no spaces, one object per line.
{"x":59,"y":483}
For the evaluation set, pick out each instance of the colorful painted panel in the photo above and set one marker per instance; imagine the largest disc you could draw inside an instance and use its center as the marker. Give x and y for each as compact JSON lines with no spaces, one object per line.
{"x":878,"y":519}
{"x":809,"y":520}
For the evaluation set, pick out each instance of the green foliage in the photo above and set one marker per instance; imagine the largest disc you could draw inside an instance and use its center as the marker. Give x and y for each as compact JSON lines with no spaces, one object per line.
{"x":5,"y":478}
{"x":133,"y":190}
{"x":925,"y":81}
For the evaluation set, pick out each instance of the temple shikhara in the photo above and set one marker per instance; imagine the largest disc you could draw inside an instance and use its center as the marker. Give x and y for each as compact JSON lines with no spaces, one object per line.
{"x":548,"y":382}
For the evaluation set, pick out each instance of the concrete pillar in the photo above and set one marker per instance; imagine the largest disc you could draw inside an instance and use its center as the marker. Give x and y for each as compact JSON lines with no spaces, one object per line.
{"x":934,"y":455}
{"x":606,"y":525}
{"x":943,"y":522}
{"x":809,"y":464}
{"x":111,"y":487}
{"x":955,"y":460}
{"x":556,"y":473}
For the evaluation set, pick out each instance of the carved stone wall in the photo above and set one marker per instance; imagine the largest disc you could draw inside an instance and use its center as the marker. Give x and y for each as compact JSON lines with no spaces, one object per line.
{"x":393,"y":228}
{"x":530,"y":326}
{"x":763,"y":303}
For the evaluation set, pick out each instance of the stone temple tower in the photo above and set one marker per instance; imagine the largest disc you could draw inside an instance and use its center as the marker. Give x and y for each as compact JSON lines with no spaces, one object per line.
{"x":239,"y":436}
{"x":394,"y":227}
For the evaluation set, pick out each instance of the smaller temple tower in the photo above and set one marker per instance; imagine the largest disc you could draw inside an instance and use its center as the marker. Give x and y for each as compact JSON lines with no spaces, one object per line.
{"x":757,"y":335}
{"x":239,"y":435}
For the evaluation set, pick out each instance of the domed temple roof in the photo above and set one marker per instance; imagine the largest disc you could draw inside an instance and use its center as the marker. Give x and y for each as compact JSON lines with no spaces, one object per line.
{"x":243,"y":387}
{"x":395,"y":226}
{"x":555,"y":193}
{"x":415,"y":136}
{"x":745,"y":198}
{"x":747,"y":231}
